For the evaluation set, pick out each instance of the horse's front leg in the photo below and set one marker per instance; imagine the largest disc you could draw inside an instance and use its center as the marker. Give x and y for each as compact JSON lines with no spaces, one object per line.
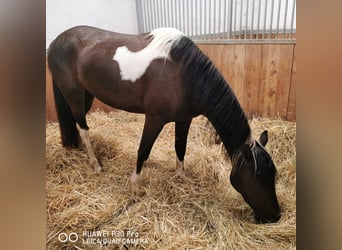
{"x":153,"y":126}
{"x":182,"y":129}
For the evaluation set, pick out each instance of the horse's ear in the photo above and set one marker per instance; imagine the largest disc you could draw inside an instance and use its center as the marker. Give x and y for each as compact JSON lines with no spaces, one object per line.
{"x":263,"y":138}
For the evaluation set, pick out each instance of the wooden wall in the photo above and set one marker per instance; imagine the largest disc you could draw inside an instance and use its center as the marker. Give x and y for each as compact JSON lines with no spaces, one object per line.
{"x":261,"y":75}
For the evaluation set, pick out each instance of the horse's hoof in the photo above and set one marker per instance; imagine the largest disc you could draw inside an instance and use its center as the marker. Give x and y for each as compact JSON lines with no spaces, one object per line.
{"x":180,"y":173}
{"x":97,"y":169}
{"x":134,"y":177}
{"x":96,"y":166}
{"x":181,"y":176}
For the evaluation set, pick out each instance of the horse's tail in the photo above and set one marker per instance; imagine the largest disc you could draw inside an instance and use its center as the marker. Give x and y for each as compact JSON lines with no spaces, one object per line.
{"x":67,"y":123}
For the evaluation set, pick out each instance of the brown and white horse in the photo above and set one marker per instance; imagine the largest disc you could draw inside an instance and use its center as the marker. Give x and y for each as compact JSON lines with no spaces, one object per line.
{"x":165,"y":76}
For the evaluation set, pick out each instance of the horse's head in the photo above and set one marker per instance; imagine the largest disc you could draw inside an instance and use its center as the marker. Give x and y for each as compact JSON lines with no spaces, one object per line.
{"x":253,"y":176}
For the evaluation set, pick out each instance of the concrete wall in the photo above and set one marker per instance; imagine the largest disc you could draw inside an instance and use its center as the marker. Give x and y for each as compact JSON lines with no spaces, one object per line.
{"x":116,"y":15}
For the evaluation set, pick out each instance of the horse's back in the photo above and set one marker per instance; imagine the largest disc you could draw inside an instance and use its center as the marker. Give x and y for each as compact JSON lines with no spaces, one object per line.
{"x":87,"y":55}
{"x":85,"y":37}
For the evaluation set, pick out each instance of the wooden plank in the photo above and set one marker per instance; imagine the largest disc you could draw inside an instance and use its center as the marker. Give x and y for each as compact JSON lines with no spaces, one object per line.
{"x":291,"y":108}
{"x":283,"y":80}
{"x":253,"y":69}
{"x":233,"y":58}
{"x":271,"y":59}
{"x":214,"y":52}
{"x":50,"y":111}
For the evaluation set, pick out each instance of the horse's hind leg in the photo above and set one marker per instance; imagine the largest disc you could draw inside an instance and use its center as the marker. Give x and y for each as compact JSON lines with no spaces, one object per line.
{"x":80,"y":102}
{"x":182,"y":129}
{"x":84,"y":131}
{"x":152,"y":127}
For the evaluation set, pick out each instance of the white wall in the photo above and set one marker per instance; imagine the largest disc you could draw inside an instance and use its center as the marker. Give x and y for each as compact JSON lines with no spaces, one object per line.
{"x":115,"y":15}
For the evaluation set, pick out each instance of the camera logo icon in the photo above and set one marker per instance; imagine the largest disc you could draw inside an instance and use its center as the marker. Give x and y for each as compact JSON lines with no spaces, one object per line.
{"x":71,"y":237}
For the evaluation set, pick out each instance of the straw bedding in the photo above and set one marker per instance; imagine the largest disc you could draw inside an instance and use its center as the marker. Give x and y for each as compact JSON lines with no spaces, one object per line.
{"x":160,"y":211}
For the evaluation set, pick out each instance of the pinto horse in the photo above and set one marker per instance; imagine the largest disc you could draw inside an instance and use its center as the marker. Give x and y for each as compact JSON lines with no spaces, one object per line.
{"x":165,"y":76}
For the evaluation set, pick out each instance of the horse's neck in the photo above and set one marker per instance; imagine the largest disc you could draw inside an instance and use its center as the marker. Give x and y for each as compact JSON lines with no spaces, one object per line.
{"x":230,"y":122}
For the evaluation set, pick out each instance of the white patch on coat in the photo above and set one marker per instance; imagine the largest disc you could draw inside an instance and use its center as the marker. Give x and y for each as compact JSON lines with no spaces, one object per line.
{"x":179,"y":168}
{"x":134,"y":177}
{"x":92,"y":158}
{"x":133,"y":65}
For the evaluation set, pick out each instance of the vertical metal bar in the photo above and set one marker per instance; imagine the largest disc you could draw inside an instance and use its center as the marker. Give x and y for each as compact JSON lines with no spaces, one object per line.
{"x":182,"y":16}
{"x":235,"y":18}
{"x":209,"y":22}
{"x":285,"y":18}
{"x":271,"y":23}
{"x":192,"y":16}
{"x":265,"y":19}
{"x":157,"y":14}
{"x":220,"y":17}
{"x":230,"y":15}
{"x":293,"y":15}
{"x":259,"y":14}
{"x":179,"y":15}
{"x":145,"y":16}
{"x":176,"y":9}
{"x":148,"y":15}
{"x":203,"y":24}
{"x":200,"y":16}
{"x":172,"y":19}
{"x":241,"y":14}
{"x":205,"y":19}
{"x":164,"y":13}
{"x":163,"y":10}
{"x":152,"y":14}
{"x":187,"y":18}
{"x":161,"y":16}
{"x":252,"y":25}
{"x":139,"y":15}
{"x":197,"y":28}
{"x":215,"y":17}
{"x":168,"y":14}
{"x":184,"y":26}
{"x":225,"y":20}
{"x":278,"y":19}
{"x":246,"y":31}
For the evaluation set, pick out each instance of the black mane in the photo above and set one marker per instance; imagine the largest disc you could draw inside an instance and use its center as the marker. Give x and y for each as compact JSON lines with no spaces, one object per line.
{"x":211,"y":95}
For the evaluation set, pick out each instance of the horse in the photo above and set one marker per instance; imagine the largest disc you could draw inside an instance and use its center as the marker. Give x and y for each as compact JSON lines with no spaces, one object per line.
{"x":165,"y":76}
